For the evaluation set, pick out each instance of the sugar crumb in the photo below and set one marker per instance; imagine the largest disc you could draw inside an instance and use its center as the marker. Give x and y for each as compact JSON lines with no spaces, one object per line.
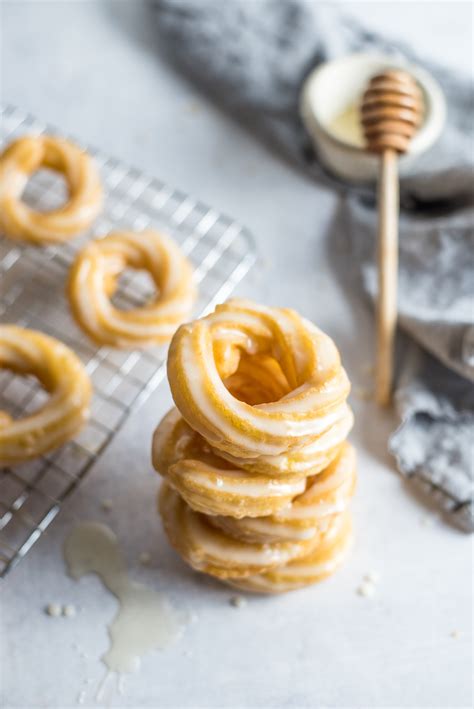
{"x":144,"y":558}
{"x":366,"y":589}
{"x":69,"y":611}
{"x":54,"y":610}
{"x":238,"y":601}
{"x":455,"y":634}
{"x":107,"y":505}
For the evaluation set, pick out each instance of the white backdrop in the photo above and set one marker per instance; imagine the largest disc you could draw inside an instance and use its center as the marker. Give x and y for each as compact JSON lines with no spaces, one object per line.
{"x":94,"y":69}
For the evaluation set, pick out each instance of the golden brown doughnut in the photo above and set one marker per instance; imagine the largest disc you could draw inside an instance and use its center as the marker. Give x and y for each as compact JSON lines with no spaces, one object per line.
{"x":19,"y":161}
{"x":210,"y":550}
{"x":27,"y":352}
{"x":206,"y":353}
{"x":212,"y":485}
{"x":236,"y":548}
{"x":325,"y":495}
{"x":324,"y":560}
{"x":258,"y":475}
{"x":93,"y":280}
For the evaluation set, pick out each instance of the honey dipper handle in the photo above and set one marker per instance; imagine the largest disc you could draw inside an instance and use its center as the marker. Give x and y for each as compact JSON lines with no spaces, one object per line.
{"x":387,"y":274}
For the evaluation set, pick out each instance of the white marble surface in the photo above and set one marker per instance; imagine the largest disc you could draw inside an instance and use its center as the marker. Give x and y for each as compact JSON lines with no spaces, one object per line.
{"x":94,"y":69}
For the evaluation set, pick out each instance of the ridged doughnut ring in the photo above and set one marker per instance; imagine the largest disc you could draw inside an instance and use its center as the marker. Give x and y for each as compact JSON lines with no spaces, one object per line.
{"x":236,"y":548}
{"x":211,"y":551}
{"x":257,"y":473}
{"x":309,"y":391}
{"x":325,"y":495}
{"x":212,"y":485}
{"x":93,"y":280}
{"x":27,"y":352}
{"x":326,"y":557}
{"x":19,"y":161}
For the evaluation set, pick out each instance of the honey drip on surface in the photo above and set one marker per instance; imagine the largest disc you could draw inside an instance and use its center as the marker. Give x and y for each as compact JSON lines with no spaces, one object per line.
{"x":145,"y":620}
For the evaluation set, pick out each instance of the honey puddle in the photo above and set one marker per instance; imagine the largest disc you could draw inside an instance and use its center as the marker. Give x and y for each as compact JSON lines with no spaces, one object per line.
{"x":347,"y":126}
{"x":145,"y":620}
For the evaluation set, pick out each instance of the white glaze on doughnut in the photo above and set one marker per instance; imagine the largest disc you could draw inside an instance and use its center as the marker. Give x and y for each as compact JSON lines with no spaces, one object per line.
{"x":93,"y":280}
{"x":19,"y":161}
{"x":309,"y":359}
{"x":258,"y":475}
{"x":62,"y":374}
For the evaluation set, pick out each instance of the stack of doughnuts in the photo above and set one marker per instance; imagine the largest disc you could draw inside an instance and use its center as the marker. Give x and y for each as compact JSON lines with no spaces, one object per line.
{"x":257,"y":471}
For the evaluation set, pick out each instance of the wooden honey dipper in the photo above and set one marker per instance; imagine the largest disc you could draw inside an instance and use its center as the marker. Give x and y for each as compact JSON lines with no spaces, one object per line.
{"x":391,"y":112}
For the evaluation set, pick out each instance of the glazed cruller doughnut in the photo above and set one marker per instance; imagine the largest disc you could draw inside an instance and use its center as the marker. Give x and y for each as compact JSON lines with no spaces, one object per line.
{"x":309,"y":385}
{"x":27,"y":352}
{"x":19,"y":161}
{"x":258,"y":475}
{"x":93,"y":281}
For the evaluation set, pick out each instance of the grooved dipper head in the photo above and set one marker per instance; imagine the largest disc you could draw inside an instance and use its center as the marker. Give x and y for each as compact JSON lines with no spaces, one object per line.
{"x":391,"y":111}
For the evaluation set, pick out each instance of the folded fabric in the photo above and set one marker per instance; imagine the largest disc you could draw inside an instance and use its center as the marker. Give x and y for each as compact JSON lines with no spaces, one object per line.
{"x":253,"y":56}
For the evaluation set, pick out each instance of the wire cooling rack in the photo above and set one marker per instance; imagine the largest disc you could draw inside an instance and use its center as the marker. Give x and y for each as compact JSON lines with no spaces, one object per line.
{"x":32,"y":284}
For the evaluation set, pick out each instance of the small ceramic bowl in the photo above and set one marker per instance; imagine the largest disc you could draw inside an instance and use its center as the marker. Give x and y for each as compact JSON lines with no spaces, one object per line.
{"x":329,"y":108}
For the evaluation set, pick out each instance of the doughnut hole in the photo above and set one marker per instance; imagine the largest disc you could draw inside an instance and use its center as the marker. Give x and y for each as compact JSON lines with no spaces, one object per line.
{"x":46,"y":190}
{"x":131,"y":288}
{"x":258,"y":379}
{"x":20,"y":395}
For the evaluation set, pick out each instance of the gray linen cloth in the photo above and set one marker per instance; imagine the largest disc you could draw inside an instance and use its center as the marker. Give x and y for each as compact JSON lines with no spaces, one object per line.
{"x":252,"y":56}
